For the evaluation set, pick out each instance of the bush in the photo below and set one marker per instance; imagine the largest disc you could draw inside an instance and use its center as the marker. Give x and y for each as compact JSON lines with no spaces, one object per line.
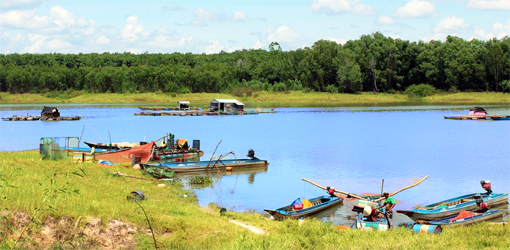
{"x":295,"y":85}
{"x":505,"y":85}
{"x":279,"y":87}
{"x":420,"y":90}
{"x":331,"y":89}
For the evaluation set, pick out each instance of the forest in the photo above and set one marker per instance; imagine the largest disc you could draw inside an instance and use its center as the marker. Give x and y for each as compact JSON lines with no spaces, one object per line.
{"x":371,"y":63}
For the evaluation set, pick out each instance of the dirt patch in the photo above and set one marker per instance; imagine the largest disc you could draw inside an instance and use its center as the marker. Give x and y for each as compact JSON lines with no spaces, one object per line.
{"x":66,"y":232}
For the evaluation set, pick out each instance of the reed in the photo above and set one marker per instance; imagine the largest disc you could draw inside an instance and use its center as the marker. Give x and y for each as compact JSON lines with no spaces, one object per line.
{"x":80,"y":190}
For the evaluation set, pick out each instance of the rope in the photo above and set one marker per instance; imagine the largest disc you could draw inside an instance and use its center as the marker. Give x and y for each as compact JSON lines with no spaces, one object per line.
{"x":91,"y":128}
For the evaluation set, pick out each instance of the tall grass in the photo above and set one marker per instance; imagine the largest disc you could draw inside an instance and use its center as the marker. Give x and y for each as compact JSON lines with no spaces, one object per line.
{"x":64,"y":188}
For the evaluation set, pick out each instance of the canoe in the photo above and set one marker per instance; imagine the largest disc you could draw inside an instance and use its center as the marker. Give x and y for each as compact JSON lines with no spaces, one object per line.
{"x":478,"y":117}
{"x":320,"y":203}
{"x":194,"y":166}
{"x":453,"y":206}
{"x":478,"y":217}
{"x":145,"y":152}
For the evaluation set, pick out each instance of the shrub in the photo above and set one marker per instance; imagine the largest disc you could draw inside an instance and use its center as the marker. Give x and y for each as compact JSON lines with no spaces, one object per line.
{"x":505,"y":85}
{"x":295,"y":85}
{"x":420,"y":90}
{"x":241,"y":92}
{"x":331,"y":89}
{"x":279,"y":87}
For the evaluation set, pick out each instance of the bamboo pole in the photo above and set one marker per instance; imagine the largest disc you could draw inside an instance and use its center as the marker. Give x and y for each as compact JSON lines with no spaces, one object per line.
{"x":400,"y":190}
{"x":336,"y":191}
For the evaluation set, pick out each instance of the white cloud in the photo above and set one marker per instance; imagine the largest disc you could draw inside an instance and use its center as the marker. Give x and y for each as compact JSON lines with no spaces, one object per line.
{"x":416,"y":8}
{"x":201,"y":15}
{"x":385,"y":20}
{"x":132,"y":31}
{"x":258,"y":45}
{"x":342,"y":6}
{"x":502,"y":30}
{"x":56,"y":45}
{"x":481,"y":34}
{"x":451,"y":25}
{"x":36,"y":43}
{"x":215,"y":47}
{"x":25,"y":19}
{"x":437,"y":37}
{"x":239,"y":16}
{"x":489,"y":4}
{"x":284,"y":35}
{"x":102,"y":40}
{"x":338,"y":40}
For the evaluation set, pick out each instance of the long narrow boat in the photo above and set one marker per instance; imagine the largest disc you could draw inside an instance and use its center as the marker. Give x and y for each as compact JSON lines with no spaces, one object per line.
{"x":320,"y":203}
{"x":453,"y":206}
{"x":477,"y":217}
{"x":194,"y":166}
{"x":103,"y":146}
{"x":478,"y":117}
{"x":145,"y":152}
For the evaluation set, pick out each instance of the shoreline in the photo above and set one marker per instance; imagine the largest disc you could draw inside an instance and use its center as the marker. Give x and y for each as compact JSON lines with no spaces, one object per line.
{"x":262,"y":99}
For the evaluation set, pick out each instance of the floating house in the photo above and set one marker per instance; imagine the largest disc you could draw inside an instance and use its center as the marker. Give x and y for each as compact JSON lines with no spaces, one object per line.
{"x":50,"y":112}
{"x":183,"y":105}
{"x":226,"y":105}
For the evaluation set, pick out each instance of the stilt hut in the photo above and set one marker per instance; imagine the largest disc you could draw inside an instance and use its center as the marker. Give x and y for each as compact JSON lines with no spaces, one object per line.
{"x":226,"y":105}
{"x":183,"y":105}
{"x":48,"y":112}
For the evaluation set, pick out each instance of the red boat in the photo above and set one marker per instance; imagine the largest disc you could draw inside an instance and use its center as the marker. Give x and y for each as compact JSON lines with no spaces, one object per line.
{"x":145,"y":152}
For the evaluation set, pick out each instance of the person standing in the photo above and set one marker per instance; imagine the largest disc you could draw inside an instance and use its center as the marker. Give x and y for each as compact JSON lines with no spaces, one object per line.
{"x":388,"y":205}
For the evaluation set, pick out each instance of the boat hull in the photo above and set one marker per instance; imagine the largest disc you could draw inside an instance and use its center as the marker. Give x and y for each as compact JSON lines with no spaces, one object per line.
{"x":489,"y":215}
{"x":320,"y":203}
{"x":199,"y":166}
{"x":454,"y":206}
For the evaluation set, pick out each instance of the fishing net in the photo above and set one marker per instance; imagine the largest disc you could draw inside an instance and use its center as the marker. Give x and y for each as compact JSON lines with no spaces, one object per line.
{"x":50,"y":149}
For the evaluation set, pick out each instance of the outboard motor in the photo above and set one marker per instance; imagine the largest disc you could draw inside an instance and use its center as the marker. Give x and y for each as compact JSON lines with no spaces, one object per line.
{"x":487,"y":186}
{"x":251,"y":154}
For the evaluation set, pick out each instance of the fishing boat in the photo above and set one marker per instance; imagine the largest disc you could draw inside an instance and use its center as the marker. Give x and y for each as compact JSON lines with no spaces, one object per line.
{"x":198,"y":166}
{"x":453,"y":206}
{"x":319,"y":204}
{"x":457,"y":219}
{"x":143,"y":154}
{"x":102,"y":146}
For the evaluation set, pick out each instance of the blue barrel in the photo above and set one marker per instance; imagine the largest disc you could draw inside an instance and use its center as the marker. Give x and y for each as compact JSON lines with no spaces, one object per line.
{"x":427,"y":229}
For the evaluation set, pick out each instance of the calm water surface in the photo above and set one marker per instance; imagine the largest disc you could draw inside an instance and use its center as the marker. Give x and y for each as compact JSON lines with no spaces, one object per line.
{"x":350,"y":148}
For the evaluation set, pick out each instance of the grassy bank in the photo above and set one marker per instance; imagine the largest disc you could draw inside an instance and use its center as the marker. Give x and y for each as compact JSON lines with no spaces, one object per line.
{"x":256,"y":99}
{"x":63,"y":188}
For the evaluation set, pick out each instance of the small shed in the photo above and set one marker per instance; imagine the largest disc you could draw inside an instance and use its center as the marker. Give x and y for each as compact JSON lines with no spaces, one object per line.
{"x":50,"y":112}
{"x":183,"y":105}
{"x":226,"y":105}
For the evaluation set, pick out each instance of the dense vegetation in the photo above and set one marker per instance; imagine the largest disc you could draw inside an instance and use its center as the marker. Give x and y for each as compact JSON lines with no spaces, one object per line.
{"x":371,"y":63}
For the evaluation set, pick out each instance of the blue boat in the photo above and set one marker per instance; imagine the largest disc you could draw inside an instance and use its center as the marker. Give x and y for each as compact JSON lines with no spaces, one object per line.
{"x":453,"y":206}
{"x":319,"y":204}
{"x":450,"y":221}
{"x":198,"y":166}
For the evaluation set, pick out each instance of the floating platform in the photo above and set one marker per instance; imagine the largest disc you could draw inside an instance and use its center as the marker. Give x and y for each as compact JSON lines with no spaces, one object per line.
{"x":479,"y":117}
{"x":39,"y":118}
{"x":197,"y":113}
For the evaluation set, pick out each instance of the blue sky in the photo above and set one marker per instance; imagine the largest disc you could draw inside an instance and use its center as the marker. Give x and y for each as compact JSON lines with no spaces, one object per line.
{"x":157,"y":26}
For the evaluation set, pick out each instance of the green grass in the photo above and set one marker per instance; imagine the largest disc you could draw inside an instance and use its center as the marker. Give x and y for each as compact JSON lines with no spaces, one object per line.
{"x":63,"y":188}
{"x":256,"y":99}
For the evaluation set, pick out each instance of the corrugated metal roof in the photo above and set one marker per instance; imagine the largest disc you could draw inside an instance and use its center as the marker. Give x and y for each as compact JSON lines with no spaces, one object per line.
{"x":228,"y":101}
{"x":183,"y":102}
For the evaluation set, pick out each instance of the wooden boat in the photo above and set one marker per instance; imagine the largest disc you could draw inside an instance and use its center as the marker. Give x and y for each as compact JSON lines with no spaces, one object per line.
{"x":320,"y":203}
{"x":453,"y":206}
{"x":194,"y":166}
{"x":61,"y":118}
{"x":478,"y":117}
{"x":145,"y":152}
{"x":477,"y":217}
{"x":102,"y":146}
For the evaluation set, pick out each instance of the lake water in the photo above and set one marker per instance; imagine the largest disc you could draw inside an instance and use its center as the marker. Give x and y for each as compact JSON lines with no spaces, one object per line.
{"x":350,"y":148}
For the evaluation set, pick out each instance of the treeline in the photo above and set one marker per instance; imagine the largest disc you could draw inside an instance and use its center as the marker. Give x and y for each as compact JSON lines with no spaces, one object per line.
{"x":372,"y":63}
